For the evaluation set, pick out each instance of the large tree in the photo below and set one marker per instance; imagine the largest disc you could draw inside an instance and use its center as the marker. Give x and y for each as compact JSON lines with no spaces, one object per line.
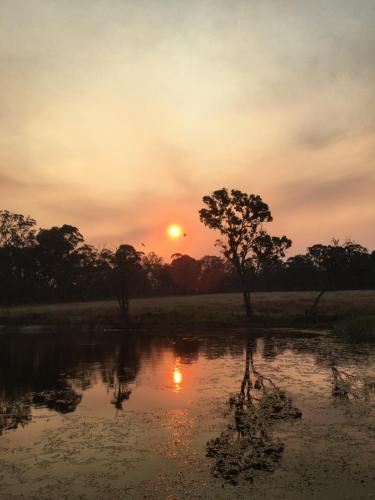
{"x":239,"y":217}
{"x":16,"y":230}
{"x":338,"y":266}
{"x":157,"y":274}
{"x":58,"y":255}
{"x":184,"y":271}
{"x":127,"y":275}
{"x":213,"y":271}
{"x":17,"y":241}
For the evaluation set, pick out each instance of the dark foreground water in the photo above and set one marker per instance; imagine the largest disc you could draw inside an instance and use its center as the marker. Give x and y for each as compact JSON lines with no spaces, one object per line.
{"x":116,"y":415}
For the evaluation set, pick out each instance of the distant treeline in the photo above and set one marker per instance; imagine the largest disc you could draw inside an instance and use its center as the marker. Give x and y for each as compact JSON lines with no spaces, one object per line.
{"x":56,"y":265}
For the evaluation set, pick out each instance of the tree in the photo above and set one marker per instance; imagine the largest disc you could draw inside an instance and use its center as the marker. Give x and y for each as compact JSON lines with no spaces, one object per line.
{"x":16,"y":230}
{"x":212,"y":273}
{"x":184,"y":271}
{"x":87,"y":272}
{"x":17,"y":239}
{"x":157,"y":274}
{"x":58,"y":256}
{"x":239,"y":218}
{"x":127,"y":275}
{"x":336,"y":266}
{"x":300,"y":273}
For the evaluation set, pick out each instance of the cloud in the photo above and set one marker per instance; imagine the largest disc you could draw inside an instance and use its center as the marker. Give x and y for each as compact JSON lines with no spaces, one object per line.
{"x":7,"y":182}
{"x":327,"y":119}
{"x":320,"y":192}
{"x":317,"y":136}
{"x":119,"y":117}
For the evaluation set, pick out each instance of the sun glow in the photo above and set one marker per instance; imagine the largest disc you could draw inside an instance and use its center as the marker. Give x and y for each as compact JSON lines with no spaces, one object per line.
{"x":177,"y":376}
{"x":174,"y":231}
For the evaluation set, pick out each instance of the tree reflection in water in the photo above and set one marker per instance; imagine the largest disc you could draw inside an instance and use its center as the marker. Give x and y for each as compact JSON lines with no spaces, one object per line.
{"x":347,"y":386}
{"x":46,"y":371}
{"x":247,"y":443}
{"x":121,"y":391}
{"x":62,"y":400}
{"x":123,"y":371}
{"x":14,"y":414}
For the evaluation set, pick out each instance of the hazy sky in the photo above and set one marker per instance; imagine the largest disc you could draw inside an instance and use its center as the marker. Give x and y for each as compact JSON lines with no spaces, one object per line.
{"x":118,"y":116}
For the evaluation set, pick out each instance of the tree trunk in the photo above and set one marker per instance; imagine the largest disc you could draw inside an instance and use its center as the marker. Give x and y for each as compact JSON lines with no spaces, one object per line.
{"x":123,"y":303}
{"x":245,"y":293}
{"x":313,"y":311}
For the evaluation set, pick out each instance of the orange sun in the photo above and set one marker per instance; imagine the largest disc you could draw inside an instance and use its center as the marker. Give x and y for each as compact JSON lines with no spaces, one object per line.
{"x":174,"y":231}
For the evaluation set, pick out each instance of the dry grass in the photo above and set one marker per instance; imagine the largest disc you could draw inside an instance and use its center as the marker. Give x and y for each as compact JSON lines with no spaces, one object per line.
{"x":279,"y":308}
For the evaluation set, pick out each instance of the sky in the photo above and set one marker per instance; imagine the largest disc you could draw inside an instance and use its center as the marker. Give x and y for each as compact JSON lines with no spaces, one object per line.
{"x":118,"y":116}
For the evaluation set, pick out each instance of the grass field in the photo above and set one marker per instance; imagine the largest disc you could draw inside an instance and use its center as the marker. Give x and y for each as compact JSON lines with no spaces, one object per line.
{"x":271,"y":308}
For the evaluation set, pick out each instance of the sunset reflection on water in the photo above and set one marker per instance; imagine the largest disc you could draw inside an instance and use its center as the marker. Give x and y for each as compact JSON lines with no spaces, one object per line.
{"x":177,"y":376}
{"x":140,"y":412}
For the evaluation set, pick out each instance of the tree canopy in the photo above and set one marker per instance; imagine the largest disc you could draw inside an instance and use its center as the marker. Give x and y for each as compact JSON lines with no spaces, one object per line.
{"x":239,"y":217}
{"x":16,"y":230}
{"x":56,"y":264}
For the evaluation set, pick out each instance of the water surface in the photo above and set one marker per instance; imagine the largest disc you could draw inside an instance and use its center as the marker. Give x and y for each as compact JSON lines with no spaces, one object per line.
{"x":119,"y":415}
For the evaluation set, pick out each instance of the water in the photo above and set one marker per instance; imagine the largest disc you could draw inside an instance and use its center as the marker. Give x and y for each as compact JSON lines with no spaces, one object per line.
{"x":119,"y":415}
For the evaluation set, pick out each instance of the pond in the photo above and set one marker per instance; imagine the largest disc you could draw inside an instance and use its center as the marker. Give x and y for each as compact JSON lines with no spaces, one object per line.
{"x":122,"y":415}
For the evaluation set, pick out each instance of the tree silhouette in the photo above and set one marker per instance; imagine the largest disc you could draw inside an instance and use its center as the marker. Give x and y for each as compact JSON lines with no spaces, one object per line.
{"x":335,"y":265}
{"x":56,"y":264}
{"x":17,"y":240}
{"x":16,"y":230}
{"x":156,"y":273}
{"x":127,"y":275}
{"x":239,"y":218}
{"x":213,"y":271}
{"x":58,"y":258}
{"x":184,"y":271}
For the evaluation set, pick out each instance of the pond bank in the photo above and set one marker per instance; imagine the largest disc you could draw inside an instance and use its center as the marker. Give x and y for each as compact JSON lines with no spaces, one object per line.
{"x":258,"y":331}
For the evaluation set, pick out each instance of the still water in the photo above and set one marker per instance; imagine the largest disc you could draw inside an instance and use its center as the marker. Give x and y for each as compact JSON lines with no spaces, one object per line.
{"x":122,"y":416}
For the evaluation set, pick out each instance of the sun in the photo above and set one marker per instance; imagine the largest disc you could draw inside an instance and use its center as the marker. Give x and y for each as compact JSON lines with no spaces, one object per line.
{"x":174,"y":231}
